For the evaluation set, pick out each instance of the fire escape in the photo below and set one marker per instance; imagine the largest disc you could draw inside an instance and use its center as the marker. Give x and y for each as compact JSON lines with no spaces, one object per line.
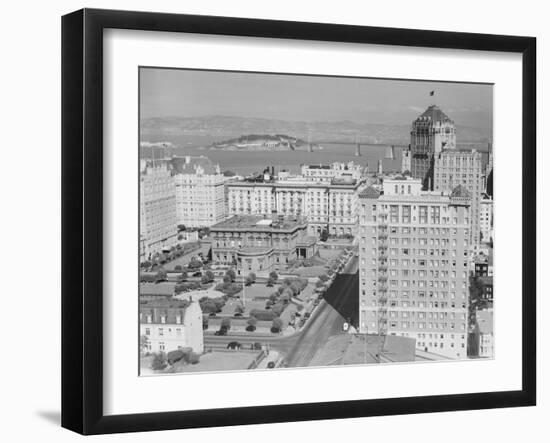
{"x":382,"y":292}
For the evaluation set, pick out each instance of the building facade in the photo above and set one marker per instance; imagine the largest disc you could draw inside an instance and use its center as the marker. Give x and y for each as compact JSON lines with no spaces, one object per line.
{"x":338,"y":170}
{"x":200,"y":192}
{"x":256,"y":244}
{"x":157,"y":212}
{"x":486,"y":340}
{"x":331,"y":205}
{"x":486,"y":218}
{"x":414,"y":265}
{"x":462,"y":167}
{"x":406,"y":161}
{"x":170,"y":324}
{"x":431,"y":133}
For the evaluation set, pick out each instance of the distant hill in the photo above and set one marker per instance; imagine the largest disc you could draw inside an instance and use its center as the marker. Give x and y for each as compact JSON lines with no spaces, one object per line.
{"x":227,"y":128}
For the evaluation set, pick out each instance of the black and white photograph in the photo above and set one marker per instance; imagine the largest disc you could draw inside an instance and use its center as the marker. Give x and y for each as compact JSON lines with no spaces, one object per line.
{"x":292,"y":221}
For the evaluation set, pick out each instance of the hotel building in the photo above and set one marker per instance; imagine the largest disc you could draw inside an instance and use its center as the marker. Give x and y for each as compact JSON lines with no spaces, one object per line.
{"x":431,"y":133}
{"x":326,"y":205}
{"x":414,"y":265}
{"x":462,"y":167}
{"x":255,"y":243}
{"x":200,"y":192}
{"x":171,"y":324}
{"x":157,"y":211}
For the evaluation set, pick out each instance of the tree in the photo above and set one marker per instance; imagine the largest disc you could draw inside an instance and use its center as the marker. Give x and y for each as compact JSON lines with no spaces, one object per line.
{"x":159,"y":362}
{"x":194,"y":263}
{"x":323,"y":277}
{"x":161,"y":275}
{"x":273,"y":297}
{"x":287,"y":281}
{"x":181,"y":228}
{"x":231,"y":273}
{"x":208,"y":277}
{"x":251,"y":324}
{"x":144,"y":344}
{"x":226,"y":323}
{"x":319,"y":284}
{"x":251,"y":278}
{"x":273,"y":275}
{"x":277,"y":325}
{"x":300,"y":308}
{"x":178,"y":268}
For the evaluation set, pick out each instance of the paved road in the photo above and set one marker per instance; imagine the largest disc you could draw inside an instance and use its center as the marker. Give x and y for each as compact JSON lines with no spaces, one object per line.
{"x":340,"y":304}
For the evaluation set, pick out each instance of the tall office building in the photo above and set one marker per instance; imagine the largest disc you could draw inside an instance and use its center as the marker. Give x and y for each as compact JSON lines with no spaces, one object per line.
{"x":200,"y":192}
{"x":431,"y":133}
{"x":462,"y":167}
{"x":414,"y":265}
{"x":158,"y":228}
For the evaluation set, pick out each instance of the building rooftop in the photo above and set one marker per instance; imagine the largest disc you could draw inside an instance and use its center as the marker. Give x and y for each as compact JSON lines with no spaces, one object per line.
{"x":434,"y":114}
{"x":189,"y":165}
{"x":369,"y":192}
{"x":299,"y":184}
{"x":257,"y":223}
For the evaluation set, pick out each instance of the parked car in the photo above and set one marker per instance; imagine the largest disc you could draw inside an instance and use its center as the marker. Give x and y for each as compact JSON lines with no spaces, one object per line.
{"x":197,"y":274}
{"x":257,"y":346}
{"x":271,"y":364}
{"x":221,"y":332}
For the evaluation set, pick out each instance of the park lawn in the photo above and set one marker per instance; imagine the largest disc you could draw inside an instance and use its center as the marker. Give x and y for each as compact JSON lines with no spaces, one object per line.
{"x":218,"y":361}
{"x":311,"y":271}
{"x":185,"y":259}
{"x":259,"y":290}
{"x":330,"y":254}
{"x":229,"y":308}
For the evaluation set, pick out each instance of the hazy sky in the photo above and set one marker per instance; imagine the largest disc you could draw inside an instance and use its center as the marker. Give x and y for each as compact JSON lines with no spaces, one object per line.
{"x":186,"y":93}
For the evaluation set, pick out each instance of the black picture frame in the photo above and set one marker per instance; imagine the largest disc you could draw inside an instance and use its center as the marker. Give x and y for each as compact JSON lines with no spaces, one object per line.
{"x":82,"y":220}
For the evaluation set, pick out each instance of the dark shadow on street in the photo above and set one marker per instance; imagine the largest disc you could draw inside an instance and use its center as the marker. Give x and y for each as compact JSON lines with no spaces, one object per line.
{"x":343,"y":296}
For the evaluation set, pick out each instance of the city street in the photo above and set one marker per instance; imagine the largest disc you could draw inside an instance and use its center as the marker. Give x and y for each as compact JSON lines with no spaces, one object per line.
{"x":340,"y":304}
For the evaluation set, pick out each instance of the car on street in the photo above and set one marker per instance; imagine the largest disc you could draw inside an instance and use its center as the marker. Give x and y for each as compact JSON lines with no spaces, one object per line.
{"x":271,"y":364}
{"x":221,"y":332}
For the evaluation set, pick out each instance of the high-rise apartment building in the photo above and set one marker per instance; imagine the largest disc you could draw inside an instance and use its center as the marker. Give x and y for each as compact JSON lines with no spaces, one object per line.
{"x":414,"y":253}
{"x":462,"y":167}
{"x":200,"y":192}
{"x":431,"y":133}
{"x":158,"y":227}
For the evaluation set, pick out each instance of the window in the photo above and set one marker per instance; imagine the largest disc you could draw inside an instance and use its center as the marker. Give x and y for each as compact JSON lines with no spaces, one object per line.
{"x":394,"y":213}
{"x":406,"y":216}
{"x":423,"y":214}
